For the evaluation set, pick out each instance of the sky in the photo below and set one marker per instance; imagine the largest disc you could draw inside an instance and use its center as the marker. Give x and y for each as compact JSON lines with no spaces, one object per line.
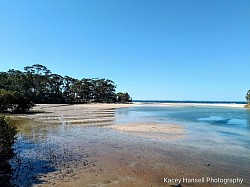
{"x":152,"y":49}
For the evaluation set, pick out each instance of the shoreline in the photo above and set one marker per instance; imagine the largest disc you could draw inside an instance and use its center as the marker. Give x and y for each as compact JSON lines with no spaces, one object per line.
{"x":41,"y":107}
{"x":92,"y":105}
{"x":233,"y":105}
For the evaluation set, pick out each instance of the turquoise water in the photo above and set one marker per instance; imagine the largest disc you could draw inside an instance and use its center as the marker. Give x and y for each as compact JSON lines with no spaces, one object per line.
{"x":221,"y":129}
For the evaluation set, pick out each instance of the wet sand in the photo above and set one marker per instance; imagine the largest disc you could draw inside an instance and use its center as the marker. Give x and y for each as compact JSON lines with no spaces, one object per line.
{"x":152,"y":130}
{"x":105,"y":154}
{"x":122,"y":160}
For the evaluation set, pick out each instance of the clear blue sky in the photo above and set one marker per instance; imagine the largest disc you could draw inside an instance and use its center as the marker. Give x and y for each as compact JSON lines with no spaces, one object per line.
{"x":154,"y":49}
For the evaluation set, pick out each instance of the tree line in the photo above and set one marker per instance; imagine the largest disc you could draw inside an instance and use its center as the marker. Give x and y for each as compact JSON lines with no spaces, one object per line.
{"x":20,"y":90}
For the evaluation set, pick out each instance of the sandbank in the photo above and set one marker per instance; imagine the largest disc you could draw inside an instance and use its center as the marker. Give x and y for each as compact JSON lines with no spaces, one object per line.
{"x":82,"y":114}
{"x":152,"y":130}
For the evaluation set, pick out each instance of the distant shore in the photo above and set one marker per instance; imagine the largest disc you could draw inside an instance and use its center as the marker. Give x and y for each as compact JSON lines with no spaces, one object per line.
{"x":45,"y":107}
{"x":191,"y":104}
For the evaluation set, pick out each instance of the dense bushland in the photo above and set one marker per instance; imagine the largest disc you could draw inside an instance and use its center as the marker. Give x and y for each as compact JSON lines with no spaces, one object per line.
{"x":19,"y":91}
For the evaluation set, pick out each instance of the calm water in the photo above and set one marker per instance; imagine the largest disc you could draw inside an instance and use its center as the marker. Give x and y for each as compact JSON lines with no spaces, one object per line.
{"x":222,"y":129}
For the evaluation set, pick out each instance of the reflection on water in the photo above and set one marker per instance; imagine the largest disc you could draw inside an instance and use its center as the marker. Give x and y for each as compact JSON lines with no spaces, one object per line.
{"x":5,"y":174}
{"x":28,"y":165}
{"x":41,"y":149}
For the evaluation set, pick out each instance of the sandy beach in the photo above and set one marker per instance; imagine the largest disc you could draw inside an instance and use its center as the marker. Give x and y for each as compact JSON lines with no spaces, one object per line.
{"x":132,"y":154}
{"x":84,"y":114}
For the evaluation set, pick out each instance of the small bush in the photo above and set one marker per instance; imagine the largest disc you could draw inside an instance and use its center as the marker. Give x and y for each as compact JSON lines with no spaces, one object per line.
{"x":14,"y":102}
{"x":7,"y":138}
{"x":123,"y":97}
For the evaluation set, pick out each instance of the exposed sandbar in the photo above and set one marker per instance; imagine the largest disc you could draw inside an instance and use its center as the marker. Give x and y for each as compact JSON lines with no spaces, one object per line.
{"x":152,"y":130}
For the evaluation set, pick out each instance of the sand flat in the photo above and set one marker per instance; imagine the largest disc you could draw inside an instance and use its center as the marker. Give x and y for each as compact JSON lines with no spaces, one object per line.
{"x":85,"y":114}
{"x":152,"y":130}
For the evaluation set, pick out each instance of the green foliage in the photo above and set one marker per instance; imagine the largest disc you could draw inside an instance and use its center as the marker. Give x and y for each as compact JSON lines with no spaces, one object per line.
{"x":94,"y":90}
{"x":248,"y":96}
{"x":123,"y":97}
{"x":104,"y":90}
{"x":14,"y":102}
{"x":248,"y":99}
{"x":7,"y":138}
{"x":38,"y":85}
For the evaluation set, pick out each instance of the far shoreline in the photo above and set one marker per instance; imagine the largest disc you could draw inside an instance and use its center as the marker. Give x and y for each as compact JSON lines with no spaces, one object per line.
{"x":196,"y":104}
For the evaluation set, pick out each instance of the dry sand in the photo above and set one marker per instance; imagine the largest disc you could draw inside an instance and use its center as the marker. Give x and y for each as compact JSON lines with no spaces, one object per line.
{"x":82,"y":114}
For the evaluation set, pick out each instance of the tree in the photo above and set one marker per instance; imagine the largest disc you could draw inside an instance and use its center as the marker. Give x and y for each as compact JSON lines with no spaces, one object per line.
{"x":54,"y":89}
{"x":14,"y":102}
{"x":7,"y":138}
{"x":94,"y":90}
{"x":67,"y":91}
{"x":38,"y":85}
{"x":37,"y":69}
{"x":37,"y":79}
{"x":248,"y":99}
{"x":123,"y":97}
{"x":104,"y":90}
{"x":84,"y":90}
{"x":13,"y":80}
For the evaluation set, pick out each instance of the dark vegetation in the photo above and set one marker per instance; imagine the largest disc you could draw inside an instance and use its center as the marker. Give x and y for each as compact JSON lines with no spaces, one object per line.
{"x":7,"y":138}
{"x":14,"y":102}
{"x":248,"y":99}
{"x":19,"y":91}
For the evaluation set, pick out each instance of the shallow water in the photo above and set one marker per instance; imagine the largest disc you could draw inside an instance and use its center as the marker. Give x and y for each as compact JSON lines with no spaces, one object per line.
{"x":223,"y":129}
{"x":217,"y":135}
{"x":216,"y":144}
